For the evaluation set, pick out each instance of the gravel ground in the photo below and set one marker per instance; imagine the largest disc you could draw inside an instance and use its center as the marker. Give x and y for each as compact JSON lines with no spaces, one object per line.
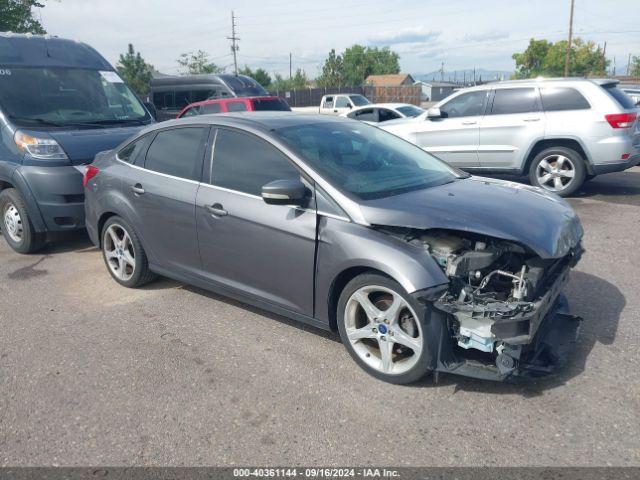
{"x":95,"y":374}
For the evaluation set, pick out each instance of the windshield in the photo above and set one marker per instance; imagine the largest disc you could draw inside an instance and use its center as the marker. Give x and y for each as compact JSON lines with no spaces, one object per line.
{"x":68,"y":97}
{"x":244,"y":86}
{"x":410,"y":111}
{"x":359,"y":100}
{"x":365,"y":161}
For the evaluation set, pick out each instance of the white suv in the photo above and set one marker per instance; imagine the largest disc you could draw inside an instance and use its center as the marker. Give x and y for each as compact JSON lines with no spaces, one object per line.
{"x":559,"y":132}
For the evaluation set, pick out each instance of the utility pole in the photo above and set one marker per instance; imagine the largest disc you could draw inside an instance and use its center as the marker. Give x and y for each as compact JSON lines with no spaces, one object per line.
{"x":629,"y":65}
{"x":604,"y":58}
{"x":567,"y":58}
{"x":442,"y":72}
{"x":290,"y":68}
{"x":234,"y":43}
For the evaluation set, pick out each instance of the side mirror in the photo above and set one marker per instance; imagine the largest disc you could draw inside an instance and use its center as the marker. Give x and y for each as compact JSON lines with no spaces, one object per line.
{"x":434,"y":113}
{"x":284,"y":192}
{"x":152,"y":109}
{"x":349,"y":106}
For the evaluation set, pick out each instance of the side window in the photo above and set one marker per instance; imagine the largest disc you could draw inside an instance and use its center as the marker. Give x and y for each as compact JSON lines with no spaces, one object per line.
{"x":192,"y":112}
{"x":562,"y":98}
{"x":236,"y":107}
{"x":466,"y":105}
{"x":178,"y":152}
{"x":342,"y":102}
{"x":201,"y":95}
{"x":130,"y":152}
{"x":246,"y":163}
{"x":210,"y":108}
{"x":366,"y":114}
{"x":384,"y":115}
{"x":163,"y":100}
{"x":328,"y":102}
{"x":515,"y":100}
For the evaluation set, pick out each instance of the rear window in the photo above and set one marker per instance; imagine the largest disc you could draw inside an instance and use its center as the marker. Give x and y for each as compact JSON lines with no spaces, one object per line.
{"x":272,"y":104}
{"x":563,"y":98}
{"x":515,"y":100}
{"x":619,"y":96}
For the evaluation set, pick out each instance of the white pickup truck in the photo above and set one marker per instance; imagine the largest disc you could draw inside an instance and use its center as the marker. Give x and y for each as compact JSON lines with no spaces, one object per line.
{"x":338,"y":103}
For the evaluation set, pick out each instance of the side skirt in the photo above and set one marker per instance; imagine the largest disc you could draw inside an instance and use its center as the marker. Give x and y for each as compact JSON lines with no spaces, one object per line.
{"x":240,"y":296}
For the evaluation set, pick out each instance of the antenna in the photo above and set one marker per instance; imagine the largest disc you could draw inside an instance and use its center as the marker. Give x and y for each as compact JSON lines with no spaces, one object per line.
{"x":234,"y":43}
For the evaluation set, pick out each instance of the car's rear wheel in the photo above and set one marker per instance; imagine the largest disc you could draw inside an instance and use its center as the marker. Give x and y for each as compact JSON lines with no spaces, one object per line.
{"x":124,"y":255}
{"x":383,"y":329}
{"x":559,"y":170}
{"x":17,"y":228}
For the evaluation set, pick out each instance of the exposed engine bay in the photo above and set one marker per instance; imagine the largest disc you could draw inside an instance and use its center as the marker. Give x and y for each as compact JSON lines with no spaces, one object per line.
{"x":499,"y":291}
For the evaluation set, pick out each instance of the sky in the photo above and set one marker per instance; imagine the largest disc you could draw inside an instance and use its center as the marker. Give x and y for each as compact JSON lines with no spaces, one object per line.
{"x":461,"y":33}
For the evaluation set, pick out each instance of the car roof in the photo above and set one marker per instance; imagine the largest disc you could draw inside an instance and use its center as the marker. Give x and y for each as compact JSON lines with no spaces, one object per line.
{"x":263,"y":120}
{"x":231,"y":99}
{"x":386,"y":105}
{"x":543,"y":80}
{"x":48,"y":51}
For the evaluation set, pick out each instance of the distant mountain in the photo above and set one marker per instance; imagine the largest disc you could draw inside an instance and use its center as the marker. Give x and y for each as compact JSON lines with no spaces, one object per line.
{"x":460,"y":75}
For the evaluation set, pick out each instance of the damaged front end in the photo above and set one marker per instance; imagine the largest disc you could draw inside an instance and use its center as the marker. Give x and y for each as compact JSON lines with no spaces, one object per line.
{"x":503,"y":311}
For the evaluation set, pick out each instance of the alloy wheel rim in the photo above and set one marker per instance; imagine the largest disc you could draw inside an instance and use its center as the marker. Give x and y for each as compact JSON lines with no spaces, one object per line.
{"x":383,"y":330}
{"x":119,"y":252}
{"x":13,"y":223}
{"x":555,"y":172}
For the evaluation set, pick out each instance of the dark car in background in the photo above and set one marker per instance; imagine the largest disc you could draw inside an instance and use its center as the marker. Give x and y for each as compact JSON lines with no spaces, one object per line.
{"x":240,"y":104}
{"x":171,"y":94}
{"x":60,"y":104}
{"x":341,"y":225}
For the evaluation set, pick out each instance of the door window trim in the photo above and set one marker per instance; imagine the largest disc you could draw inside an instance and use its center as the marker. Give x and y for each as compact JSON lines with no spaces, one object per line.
{"x":152,"y":136}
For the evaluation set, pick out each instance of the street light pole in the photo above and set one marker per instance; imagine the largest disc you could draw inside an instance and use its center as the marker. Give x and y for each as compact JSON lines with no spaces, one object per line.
{"x":567,"y":59}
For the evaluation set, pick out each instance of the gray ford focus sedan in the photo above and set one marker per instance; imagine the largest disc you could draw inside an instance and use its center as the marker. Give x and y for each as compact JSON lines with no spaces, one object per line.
{"x":419,"y":266}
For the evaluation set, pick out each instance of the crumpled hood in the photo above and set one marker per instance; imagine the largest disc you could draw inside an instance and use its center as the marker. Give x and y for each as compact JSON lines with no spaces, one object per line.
{"x":511,"y":211}
{"x":82,"y":145}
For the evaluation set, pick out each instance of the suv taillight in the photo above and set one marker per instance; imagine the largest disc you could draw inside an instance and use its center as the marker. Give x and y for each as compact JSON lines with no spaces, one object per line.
{"x":89,"y":172}
{"x":621,"y":120}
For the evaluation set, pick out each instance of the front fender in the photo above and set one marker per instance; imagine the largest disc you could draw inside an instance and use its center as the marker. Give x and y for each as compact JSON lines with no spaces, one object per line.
{"x":345,"y":245}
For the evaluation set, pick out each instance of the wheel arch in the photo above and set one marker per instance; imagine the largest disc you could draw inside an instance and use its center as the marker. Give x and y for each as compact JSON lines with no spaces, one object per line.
{"x":565,"y":142}
{"x":340,"y":282}
{"x":101,"y":221}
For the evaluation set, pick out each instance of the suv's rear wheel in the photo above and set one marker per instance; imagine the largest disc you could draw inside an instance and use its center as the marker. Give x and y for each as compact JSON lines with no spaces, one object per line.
{"x":383,"y":329}
{"x":17,"y":228}
{"x":124,"y":255}
{"x":559,"y":170}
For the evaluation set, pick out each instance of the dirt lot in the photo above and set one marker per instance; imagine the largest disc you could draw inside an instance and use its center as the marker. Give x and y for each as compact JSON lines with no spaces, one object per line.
{"x":91,"y":373}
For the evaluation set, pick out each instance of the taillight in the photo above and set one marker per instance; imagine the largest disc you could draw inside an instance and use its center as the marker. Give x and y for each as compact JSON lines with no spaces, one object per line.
{"x":621,"y":120}
{"x":89,"y":172}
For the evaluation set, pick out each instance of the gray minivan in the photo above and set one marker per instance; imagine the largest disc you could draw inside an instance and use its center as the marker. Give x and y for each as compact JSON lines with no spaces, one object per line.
{"x":60,"y":104}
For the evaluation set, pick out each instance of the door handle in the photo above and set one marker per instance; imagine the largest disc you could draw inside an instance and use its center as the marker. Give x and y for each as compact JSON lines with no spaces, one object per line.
{"x":469,"y":122}
{"x":532,"y":119}
{"x":335,"y":111}
{"x":137,"y":189}
{"x":217,"y":210}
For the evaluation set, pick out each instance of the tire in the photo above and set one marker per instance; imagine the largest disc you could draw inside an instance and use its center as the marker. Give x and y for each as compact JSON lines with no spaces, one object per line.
{"x":557,"y":164}
{"x":16,"y":225}
{"x":401,"y":336}
{"x":124,"y":255}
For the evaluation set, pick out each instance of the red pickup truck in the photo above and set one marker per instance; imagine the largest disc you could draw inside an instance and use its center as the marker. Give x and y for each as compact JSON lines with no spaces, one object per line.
{"x":235,"y":104}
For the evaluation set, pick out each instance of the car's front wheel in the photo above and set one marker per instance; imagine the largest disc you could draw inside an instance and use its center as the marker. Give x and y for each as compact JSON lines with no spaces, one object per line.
{"x":124,"y":255}
{"x":17,"y":228}
{"x":559,"y":170}
{"x":383,"y":329}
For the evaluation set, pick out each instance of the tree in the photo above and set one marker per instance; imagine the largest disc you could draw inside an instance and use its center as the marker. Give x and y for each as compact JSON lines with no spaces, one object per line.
{"x":16,"y":16}
{"x":299,"y":80}
{"x":331,"y":71}
{"x":194,"y":63}
{"x":356,"y":64}
{"x":545,"y":58}
{"x":260,"y":75}
{"x":135,"y":71}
